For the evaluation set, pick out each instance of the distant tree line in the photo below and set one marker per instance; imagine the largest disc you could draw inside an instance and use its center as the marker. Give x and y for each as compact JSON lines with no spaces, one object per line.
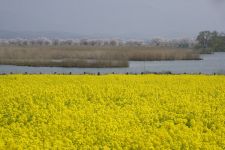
{"x":209,"y":42}
{"x":177,"y":43}
{"x":206,"y":42}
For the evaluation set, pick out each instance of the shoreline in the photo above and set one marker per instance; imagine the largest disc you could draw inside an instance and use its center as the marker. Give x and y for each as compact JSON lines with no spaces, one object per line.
{"x":113,"y":73}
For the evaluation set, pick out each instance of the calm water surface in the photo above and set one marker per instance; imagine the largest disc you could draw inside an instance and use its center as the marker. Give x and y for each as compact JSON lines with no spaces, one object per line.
{"x":211,"y":63}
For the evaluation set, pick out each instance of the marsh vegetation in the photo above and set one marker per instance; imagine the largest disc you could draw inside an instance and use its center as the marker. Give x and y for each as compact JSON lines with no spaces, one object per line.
{"x":89,"y":56}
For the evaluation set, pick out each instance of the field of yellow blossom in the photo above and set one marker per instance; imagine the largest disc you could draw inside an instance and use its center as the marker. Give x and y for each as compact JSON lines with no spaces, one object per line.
{"x":112,"y":112}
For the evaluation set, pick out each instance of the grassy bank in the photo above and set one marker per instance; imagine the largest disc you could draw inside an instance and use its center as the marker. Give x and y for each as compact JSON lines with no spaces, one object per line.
{"x":82,"y":63}
{"x":89,"y":56}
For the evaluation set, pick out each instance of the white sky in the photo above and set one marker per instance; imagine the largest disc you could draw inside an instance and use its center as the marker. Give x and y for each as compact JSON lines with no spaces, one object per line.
{"x":137,"y":18}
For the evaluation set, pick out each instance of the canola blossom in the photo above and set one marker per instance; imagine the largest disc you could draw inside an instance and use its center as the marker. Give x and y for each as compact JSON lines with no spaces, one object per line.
{"x":112,"y":112}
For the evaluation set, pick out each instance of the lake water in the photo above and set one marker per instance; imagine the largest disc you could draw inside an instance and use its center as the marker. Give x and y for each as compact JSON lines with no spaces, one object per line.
{"x":211,"y":63}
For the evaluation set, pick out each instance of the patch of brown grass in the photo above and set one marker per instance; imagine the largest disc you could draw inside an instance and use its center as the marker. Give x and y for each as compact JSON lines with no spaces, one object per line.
{"x":89,"y":56}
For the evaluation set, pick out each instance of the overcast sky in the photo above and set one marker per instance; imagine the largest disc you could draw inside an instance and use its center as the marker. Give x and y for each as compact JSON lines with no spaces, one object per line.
{"x":137,"y":18}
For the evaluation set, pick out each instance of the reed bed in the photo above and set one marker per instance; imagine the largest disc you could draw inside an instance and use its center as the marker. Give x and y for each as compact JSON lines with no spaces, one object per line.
{"x":89,"y":56}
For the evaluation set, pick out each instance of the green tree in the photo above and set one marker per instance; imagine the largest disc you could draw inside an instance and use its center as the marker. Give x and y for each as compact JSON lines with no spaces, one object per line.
{"x":204,"y":38}
{"x":211,"y":41}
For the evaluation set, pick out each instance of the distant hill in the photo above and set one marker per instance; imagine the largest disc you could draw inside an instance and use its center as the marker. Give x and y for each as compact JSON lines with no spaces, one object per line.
{"x":65,"y":35}
{"x":4,"y":34}
{"x":31,"y":34}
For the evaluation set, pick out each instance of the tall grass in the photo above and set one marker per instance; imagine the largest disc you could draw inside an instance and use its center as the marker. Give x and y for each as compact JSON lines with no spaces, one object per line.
{"x":89,"y":56}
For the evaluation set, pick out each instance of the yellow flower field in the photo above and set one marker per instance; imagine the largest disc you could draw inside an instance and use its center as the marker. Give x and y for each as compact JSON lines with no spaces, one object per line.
{"x":112,"y":112}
